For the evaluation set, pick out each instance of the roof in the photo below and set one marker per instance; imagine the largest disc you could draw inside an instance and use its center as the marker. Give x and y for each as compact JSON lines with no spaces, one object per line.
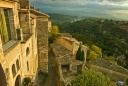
{"x":60,"y":51}
{"x":38,"y":13}
{"x":34,"y":12}
{"x":64,"y":55}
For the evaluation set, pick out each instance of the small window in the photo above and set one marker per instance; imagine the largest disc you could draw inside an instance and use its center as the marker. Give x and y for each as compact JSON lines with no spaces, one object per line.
{"x":13,"y":70}
{"x":27,"y":51}
{"x":17,"y":64}
{"x":27,"y":66}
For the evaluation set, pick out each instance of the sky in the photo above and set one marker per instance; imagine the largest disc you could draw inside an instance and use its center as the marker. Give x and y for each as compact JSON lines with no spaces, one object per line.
{"x":111,"y":9}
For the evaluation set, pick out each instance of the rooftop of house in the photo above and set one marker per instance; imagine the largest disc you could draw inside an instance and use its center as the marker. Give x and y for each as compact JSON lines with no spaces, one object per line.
{"x":60,"y":51}
{"x":71,"y":39}
{"x":35,"y":12}
{"x":64,"y":55}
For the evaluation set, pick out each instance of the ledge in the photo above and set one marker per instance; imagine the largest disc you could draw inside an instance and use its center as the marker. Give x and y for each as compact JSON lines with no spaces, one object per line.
{"x":26,"y":37}
{"x":10,"y":45}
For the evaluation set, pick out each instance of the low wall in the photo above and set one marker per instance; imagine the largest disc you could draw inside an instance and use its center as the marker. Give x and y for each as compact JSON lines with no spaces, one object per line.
{"x":113,"y":75}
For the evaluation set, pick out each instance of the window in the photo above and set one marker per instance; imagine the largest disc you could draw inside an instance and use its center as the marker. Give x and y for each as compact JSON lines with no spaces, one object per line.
{"x":5,"y":26}
{"x":27,"y":66}
{"x":27,"y":51}
{"x":65,"y":68}
{"x":13,"y":70}
{"x":17,"y":64}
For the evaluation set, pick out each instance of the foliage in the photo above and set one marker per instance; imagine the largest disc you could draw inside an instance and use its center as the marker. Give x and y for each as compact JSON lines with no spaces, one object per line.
{"x":119,"y":62}
{"x":96,"y":49}
{"x":92,"y":55}
{"x":54,"y":30}
{"x":27,"y":80}
{"x":54,"y":33}
{"x":107,"y":34}
{"x":60,"y":19}
{"x":91,"y":78}
{"x":127,"y":82}
{"x":80,"y":54}
{"x":110,"y":58}
{"x":44,"y":76}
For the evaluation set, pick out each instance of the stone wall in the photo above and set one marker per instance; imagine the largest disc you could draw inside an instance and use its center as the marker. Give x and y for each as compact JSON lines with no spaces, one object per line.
{"x":42,"y":38}
{"x":24,"y":3}
{"x":10,"y":58}
{"x":113,"y":75}
{"x":113,"y":71}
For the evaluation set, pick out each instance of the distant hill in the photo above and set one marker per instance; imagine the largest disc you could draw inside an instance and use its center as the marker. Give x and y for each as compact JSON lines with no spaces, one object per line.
{"x":106,"y":34}
{"x":60,"y":18}
{"x":111,"y":36}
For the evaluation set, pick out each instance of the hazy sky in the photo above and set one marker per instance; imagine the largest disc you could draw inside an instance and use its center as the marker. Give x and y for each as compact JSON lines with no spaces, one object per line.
{"x":114,"y":9}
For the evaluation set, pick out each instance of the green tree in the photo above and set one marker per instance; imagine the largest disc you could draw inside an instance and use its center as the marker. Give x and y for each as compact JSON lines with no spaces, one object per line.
{"x":127,"y":82}
{"x":54,"y":30}
{"x":80,"y":54}
{"x":91,"y":78}
{"x":54,"y":33}
{"x":96,"y":49}
{"x":92,"y":55}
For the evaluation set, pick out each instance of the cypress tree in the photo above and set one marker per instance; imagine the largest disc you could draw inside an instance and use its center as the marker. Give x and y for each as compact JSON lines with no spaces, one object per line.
{"x":78,"y":54}
{"x":82,"y":56}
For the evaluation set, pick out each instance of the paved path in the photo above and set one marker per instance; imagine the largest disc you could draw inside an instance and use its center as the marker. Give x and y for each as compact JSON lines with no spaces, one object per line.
{"x":52,"y":80}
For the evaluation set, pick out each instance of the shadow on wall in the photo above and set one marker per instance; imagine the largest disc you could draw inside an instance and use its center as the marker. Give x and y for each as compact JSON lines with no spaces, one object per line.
{"x":3,"y":81}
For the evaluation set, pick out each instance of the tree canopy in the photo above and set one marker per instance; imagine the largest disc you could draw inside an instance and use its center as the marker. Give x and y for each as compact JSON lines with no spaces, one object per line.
{"x":91,"y":78}
{"x":54,"y":33}
{"x":96,"y":49}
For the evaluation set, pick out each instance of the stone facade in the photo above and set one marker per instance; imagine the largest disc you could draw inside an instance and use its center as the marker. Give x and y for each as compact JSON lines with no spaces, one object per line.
{"x":19,"y":53}
{"x":43,"y":27}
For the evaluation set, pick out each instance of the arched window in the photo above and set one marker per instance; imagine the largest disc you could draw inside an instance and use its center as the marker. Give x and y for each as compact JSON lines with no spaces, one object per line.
{"x":27,"y":66}
{"x":27,"y":51}
{"x":17,"y":64}
{"x":13,"y":70}
{"x":18,"y":81}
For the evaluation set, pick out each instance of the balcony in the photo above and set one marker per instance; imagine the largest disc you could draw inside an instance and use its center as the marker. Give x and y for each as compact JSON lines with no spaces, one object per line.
{"x":10,"y":45}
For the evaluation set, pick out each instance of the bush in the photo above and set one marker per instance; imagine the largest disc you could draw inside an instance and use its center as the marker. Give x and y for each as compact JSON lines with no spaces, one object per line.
{"x":91,"y":78}
{"x":27,"y":80}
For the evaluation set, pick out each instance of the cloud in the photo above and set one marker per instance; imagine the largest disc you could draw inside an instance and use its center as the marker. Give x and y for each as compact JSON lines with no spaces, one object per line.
{"x":96,"y":8}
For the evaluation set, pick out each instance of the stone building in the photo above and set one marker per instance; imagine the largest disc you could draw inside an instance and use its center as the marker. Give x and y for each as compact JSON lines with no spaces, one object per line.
{"x":64,"y":51}
{"x":19,"y":25}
